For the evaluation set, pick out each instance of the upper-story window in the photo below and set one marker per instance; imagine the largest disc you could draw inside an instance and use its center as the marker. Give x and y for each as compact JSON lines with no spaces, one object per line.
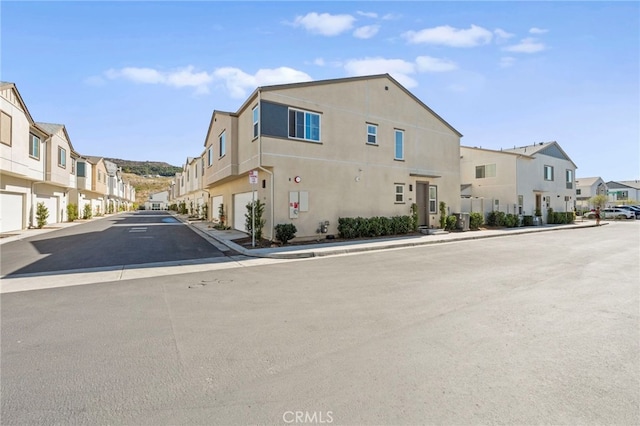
{"x":399,"y":145}
{"x":62,"y":157}
{"x":34,"y":146}
{"x":485,"y":171}
{"x":569,"y":177}
{"x":5,"y":128}
{"x":223,"y":144}
{"x":73,"y":166}
{"x":202,"y":166}
{"x":256,"y":121}
{"x":548,"y":172}
{"x":372,"y":134}
{"x":304,"y":125}
{"x":210,"y":156}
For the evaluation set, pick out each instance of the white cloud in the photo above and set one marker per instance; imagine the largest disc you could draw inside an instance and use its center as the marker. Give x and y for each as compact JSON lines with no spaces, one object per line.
{"x":319,"y":62}
{"x":325,"y":23}
{"x":527,"y":45}
{"x":502,"y":34}
{"x":239,"y":83}
{"x":183,"y":77}
{"x":366,"y":32}
{"x":236,"y":81}
{"x":367,"y":14}
{"x":397,"y":68}
{"x":536,"y":30}
{"x":430,"y":64}
{"x":449,"y":36}
{"x":507,"y":61}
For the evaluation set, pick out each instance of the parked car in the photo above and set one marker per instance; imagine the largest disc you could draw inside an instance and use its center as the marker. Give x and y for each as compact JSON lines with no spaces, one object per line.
{"x":633,"y":209}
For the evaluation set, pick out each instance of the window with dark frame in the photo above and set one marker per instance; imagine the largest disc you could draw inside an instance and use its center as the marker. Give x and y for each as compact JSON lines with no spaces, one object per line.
{"x":304,"y":125}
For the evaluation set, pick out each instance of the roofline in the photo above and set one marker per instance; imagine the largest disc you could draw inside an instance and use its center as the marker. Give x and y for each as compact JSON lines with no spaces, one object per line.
{"x":9,"y":85}
{"x":517,"y":154}
{"x":270,"y":88}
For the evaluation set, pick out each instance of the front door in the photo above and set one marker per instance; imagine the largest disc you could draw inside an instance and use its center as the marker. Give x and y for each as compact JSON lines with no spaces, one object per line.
{"x":422,"y":201}
{"x":538,"y":202}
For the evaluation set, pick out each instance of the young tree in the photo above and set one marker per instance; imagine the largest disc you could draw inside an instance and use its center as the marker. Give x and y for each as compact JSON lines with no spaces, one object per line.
{"x":598,"y":201}
{"x":254,"y":216}
{"x":42,"y":213}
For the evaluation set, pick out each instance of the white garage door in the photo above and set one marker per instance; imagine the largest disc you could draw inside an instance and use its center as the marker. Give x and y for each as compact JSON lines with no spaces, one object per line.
{"x":215,"y":207}
{"x":11,"y":212}
{"x":50,"y":203}
{"x":240,"y":209}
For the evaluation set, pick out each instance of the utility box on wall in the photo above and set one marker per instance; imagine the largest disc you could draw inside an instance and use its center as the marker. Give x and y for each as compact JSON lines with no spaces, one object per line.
{"x":298,"y":202}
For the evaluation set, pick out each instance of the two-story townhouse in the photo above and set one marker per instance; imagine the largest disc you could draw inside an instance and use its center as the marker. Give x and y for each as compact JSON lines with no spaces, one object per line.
{"x":22,"y":160}
{"x":586,"y":189}
{"x":314,"y":152}
{"x":117,"y":198}
{"x":623,"y":192}
{"x":192,"y":190}
{"x":60,"y":172}
{"x":92,"y":187}
{"x":157,"y":201}
{"x":526,"y":181}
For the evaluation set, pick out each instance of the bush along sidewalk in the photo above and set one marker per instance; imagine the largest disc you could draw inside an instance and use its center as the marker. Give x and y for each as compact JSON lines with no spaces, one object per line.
{"x":377,"y":226}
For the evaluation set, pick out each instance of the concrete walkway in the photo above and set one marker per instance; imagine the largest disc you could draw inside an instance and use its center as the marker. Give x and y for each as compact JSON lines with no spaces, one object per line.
{"x":344,"y":247}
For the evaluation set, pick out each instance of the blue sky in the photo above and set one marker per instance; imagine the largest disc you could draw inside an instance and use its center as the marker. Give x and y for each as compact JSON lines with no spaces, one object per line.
{"x":140,"y":80}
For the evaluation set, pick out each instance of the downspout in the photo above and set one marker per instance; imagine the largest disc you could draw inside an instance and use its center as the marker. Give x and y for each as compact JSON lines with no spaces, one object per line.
{"x":267,"y":171}
{"x":32,"y":215}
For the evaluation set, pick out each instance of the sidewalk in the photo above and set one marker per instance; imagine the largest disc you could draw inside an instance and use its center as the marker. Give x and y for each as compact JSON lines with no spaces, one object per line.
{"x":344,"y":247}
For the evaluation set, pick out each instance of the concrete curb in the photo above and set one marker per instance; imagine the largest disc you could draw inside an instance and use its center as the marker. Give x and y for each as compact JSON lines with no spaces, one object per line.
{"x":309,"y":251}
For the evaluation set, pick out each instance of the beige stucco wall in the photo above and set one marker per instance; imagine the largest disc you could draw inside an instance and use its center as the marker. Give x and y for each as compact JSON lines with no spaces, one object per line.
{"x":343,"y":175}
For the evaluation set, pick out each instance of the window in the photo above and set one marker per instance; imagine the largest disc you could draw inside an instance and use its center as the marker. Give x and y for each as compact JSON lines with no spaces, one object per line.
{"x":485,"y":171}
{"x":202,"y":166}
{"x":578,"y":191}
{"x":256,"y":121}
{"x":5,"y":128}
{"x":548,"y":172}
{"x":433,"y":199}
{"x":569,"y":176}
{"x":34,"y":146}
{"x":62,"y":157}
{"x":223,"y":144}
{"x":210,"y":156}
{"x":304,"y":125}
{"x":399,"y":145}
{"x":99,"y":175}
{"x":399,"y":193}
{"x":73,"y":166}
{"x":372,"y":134}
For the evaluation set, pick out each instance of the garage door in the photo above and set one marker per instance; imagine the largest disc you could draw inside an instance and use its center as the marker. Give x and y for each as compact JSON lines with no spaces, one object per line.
{"x":240,"y":209}
{"x":50,"y":203}
{"x":11,"y":212}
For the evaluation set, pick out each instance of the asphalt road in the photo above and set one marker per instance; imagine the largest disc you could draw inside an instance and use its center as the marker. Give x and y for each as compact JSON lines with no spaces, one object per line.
{"x":525,"y":329}
{"x":125,"y":239}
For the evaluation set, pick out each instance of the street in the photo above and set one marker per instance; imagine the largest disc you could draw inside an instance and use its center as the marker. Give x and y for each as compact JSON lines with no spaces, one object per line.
{"x":525,"y":329}
{"x":125,"y":239}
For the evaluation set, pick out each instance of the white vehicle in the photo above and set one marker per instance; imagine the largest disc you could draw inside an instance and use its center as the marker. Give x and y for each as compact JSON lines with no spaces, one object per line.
{"x":612,"y":213}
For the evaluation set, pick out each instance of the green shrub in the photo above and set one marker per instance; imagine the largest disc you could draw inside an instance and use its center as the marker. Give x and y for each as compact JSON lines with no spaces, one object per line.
{"x":451,"y":223}
{"x":253,"y":216}
{"x":285,"y":232}
{"x":496,"y":218}
{"x":475,"y":220}
{"x":414,"y":217}
{"x":87,"y":211}
{"x":511,"y":220}
{"x":443,"y":215}
{"x":42,"y":213}
{"x":377,"y":226}
{"x":527,"y":220}
{"x":72,"y":212}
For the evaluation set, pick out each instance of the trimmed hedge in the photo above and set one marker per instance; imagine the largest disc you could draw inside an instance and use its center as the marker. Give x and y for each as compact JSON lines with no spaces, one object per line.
{"x":475,"y":221}
{"x":377,"y":226}
{"x":559,"y":218}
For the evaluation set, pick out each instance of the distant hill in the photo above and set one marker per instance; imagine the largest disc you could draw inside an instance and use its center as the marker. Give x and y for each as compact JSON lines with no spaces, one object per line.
{"x":145,"y":168}
{"x":147,"y":185}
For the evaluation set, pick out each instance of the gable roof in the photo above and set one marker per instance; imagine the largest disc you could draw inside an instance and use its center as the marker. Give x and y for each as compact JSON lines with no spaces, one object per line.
{"x":623,"y":184}
{"x":551,"y":149}
{"x":631,"y":183}
{"x":588,"y":181}
{"x":8,"y":85}
{"x":52,"y":128}
{"x":346,"y":80}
